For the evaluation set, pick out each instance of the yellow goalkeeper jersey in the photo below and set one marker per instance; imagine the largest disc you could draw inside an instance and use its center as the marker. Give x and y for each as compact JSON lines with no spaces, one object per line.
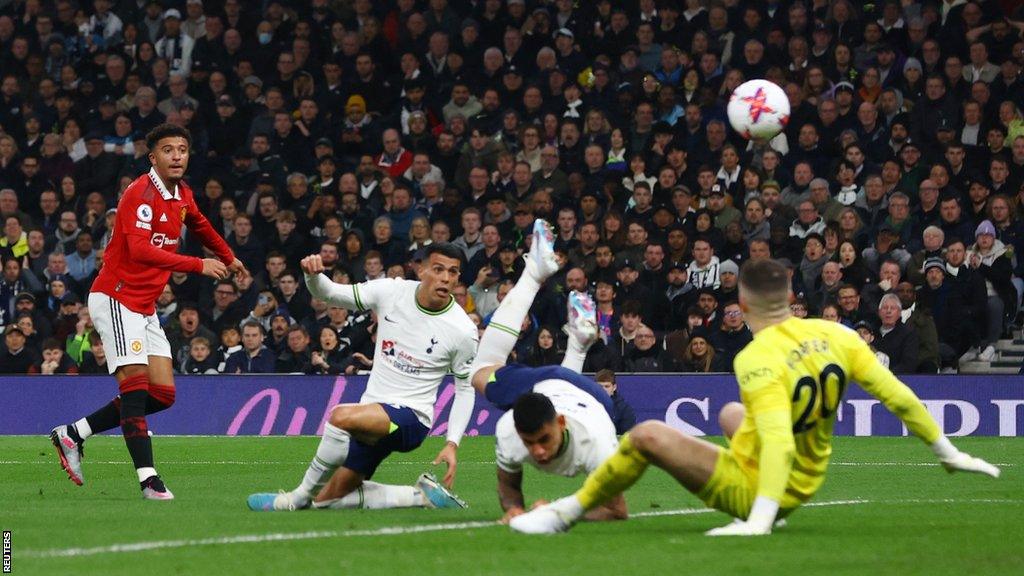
{"x":792,"y":378}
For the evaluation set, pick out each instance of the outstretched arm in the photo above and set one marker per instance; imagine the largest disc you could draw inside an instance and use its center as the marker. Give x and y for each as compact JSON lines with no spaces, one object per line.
{"x":899,"y":399}
{"x":323,"y":288}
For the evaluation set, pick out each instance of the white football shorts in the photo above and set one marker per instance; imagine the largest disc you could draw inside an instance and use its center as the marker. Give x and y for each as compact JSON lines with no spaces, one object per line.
{"x":128,"y":337}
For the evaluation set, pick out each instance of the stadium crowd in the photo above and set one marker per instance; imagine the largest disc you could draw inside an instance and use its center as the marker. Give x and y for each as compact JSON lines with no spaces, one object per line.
{"x":366,"y":130}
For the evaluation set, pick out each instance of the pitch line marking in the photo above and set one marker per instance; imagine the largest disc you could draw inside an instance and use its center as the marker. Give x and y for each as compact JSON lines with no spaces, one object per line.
{"x":404,"y":462}
{"x":403,"y":530}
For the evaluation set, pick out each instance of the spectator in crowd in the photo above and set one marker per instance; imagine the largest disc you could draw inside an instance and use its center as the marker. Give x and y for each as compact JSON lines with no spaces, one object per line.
{"x":296,"y":357}
{"x":888,"y":277}
{"x":25,"y":303}
{"x":254,"y":357}
{"x":544,"y":351}
{"x":731,"y":337}
{"x":949,"y":302}
{"x":623,"y":416}
{"x":869,"y":333}
{"x":226,"y":310}
{"x":230,"y":342}
{"x":851,"y":308}
{"x":920,"y":321}
{"x":16,"y":358}
{"x":700,"y":355}
{"x":95,"y":360}
{"x":896,"y":340}
{"x":78,"y":343}
{"x":703,"y":269}
{"x":328,"y":356}
{"x":183,"y":329}
{"x":988,"y":258}
{"x":629,"y":322}
{"x":200,"y":359}
{"x":831,"y":313}
{"x":645,"y":353}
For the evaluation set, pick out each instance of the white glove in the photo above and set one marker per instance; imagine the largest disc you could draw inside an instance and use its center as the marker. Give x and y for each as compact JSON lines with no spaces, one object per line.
{"x":954,"y":460}
{"x":739,"y":528}
{"x":963,"y":462}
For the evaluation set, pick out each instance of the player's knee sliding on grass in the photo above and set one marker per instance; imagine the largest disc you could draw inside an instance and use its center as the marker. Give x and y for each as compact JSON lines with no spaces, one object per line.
{"x":422,"y":336}
{"x":791,"y":378}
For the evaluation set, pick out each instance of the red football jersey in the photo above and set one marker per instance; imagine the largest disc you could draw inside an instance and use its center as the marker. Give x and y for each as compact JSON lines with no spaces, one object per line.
{"x":143,"y":248}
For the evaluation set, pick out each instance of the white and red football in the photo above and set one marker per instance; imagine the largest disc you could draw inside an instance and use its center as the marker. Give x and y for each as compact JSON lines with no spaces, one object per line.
{"x":758,"y":109}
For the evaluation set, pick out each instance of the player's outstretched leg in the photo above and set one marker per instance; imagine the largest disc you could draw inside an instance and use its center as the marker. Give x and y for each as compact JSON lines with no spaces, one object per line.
{"x":620,"y":471}
{"x":691,"y":461}
{"x":330,"y":455}
{"x":503,"y":330}
{"x":426,"y":493}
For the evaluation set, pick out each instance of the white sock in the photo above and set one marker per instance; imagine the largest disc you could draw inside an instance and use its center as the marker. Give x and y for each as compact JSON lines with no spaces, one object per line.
{"x":84,"y":430}
{"x":503,"y":330}
{"x":569,"y":507}
{"x":575,"y":355}
{"x":374,"y":496}
{"x":145,"y":473}
{"x":330,"y":454}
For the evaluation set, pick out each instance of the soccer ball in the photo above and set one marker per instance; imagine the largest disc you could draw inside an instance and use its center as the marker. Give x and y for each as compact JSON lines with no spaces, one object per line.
{"x":758,"y":109}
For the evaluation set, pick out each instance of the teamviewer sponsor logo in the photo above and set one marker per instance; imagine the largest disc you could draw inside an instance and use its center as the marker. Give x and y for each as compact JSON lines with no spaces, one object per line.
{"x":7,"y":551}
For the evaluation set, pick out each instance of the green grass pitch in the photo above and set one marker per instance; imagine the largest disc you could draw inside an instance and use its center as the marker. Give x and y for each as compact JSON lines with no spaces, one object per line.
{"x":885,"y":509}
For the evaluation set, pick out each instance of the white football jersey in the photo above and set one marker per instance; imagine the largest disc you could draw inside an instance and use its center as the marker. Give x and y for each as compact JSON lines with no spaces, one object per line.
{"x":416,"y":348}
{"x":591,"y":433}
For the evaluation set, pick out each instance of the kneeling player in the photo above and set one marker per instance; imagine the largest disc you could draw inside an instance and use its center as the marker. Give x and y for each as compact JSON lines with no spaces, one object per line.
{"x":791,"y":377}
{"x":559,"y":420}
{"x":422,"y":335}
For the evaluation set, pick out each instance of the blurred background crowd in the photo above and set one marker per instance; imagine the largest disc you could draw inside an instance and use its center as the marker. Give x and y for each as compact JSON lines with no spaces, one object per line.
{"x":364,"y":131}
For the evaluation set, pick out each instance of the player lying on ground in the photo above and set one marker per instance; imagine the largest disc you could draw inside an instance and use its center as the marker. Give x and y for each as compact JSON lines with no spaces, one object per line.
{"x":140,"y":258}
{"x":791,"y":377}
{"x":559,"y":420}
{"x":422,"y":335}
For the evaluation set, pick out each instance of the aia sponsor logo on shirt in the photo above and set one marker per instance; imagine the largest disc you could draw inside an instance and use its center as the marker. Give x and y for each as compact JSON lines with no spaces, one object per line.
{"x":400,"y":360}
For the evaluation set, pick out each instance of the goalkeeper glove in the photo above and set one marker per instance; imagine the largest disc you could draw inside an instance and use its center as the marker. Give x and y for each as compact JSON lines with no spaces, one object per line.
{"x":953,"y":460}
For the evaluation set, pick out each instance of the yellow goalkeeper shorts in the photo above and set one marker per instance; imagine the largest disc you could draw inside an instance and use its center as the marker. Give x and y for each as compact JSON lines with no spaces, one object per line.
{"x":733,"y":488}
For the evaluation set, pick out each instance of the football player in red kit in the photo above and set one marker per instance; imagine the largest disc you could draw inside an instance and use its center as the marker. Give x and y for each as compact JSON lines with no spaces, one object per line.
{"x":136,"y":266}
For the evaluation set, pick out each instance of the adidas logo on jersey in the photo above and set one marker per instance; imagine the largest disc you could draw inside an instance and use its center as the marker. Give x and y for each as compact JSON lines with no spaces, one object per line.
{"x":163,"y":217}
